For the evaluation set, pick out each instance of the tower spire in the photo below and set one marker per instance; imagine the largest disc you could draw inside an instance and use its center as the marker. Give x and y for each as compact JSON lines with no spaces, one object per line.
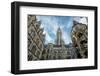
{"x":59,"y":36}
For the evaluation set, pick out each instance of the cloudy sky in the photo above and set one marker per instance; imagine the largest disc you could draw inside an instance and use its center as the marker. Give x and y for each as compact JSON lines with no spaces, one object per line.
{"x":51,"y":24}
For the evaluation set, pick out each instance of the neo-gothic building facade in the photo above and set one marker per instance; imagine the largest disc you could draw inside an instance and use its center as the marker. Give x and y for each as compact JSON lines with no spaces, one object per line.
{"x":35,"y":39}
{"x":37,"y":50}
{"x":79,"y":35}
{"x":59,"y":50}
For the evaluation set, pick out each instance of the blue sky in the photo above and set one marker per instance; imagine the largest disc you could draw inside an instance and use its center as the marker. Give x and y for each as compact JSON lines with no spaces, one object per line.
{"x":51,"y":24}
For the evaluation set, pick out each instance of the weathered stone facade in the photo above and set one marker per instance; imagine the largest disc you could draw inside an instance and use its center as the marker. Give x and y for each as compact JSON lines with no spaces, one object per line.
{"x":35,"y":39}
{"x":59,"y":50}
{"x":80,"y":38}
{"x":37,"y":50}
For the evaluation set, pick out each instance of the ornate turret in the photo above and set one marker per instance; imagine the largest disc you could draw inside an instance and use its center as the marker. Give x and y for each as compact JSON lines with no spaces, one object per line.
{"x":59,"y":40}
{"x":59,"y":35}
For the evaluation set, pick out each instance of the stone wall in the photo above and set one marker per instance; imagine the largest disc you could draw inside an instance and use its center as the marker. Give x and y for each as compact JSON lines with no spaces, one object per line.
{"x":35,"y":39}
{"x":80,"y":38}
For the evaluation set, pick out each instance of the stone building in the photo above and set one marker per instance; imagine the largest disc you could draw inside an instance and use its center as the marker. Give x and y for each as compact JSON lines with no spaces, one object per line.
{"x":79,"y":36}
{"x":35,"y":39}
{"x":59,"y":50}
{"x":37,"y":50}
{"x":59,"y":40}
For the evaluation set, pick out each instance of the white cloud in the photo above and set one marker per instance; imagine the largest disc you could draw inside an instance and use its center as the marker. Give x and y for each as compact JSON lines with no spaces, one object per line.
{"x":83,"y":20}
{"x":48,"y":38}
{"x":80,"y":20}
{"x":76,"y":18}
{"x":66,"y":37}
{"x":50,"y":26}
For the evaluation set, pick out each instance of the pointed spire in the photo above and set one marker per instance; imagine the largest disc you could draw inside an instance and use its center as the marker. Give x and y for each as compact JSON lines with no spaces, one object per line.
{"x":59,"y":36}
{"x":59,"y":29}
